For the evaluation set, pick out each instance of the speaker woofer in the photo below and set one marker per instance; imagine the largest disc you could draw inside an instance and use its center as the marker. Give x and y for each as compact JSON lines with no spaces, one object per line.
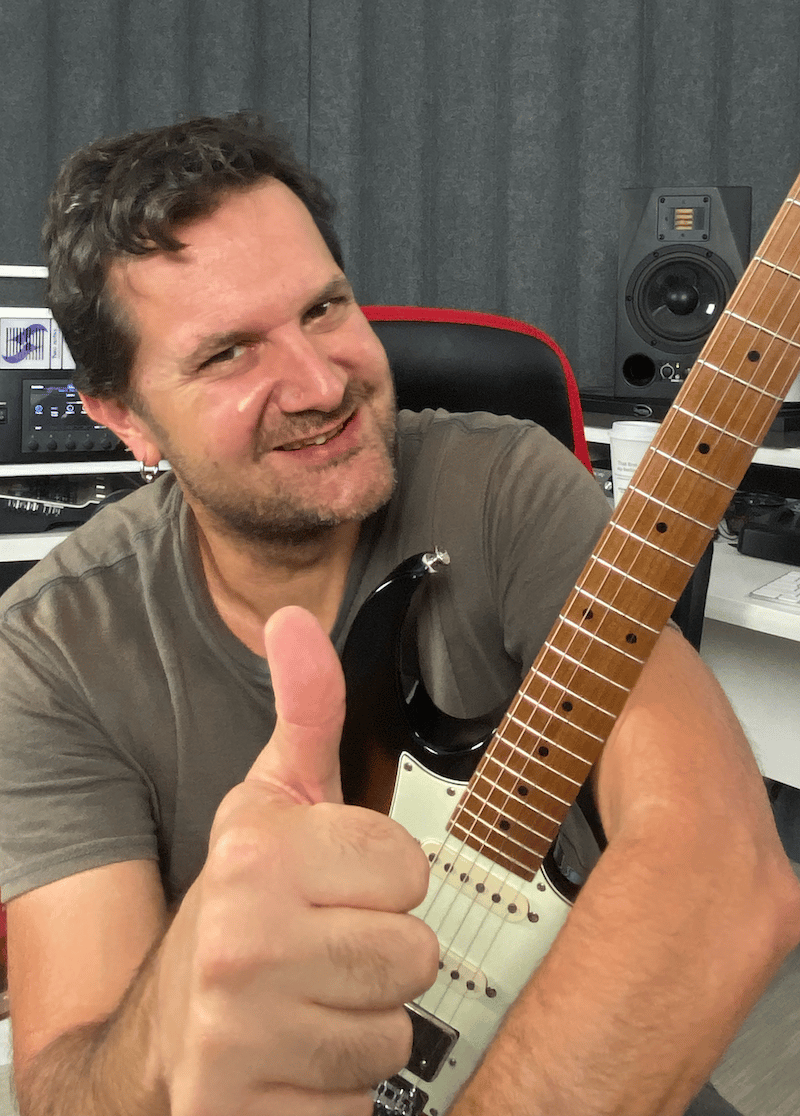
{"x":675,"y":297}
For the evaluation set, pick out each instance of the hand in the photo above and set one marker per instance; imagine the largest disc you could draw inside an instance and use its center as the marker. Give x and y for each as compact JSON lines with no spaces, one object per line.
{"x":281,"y":981}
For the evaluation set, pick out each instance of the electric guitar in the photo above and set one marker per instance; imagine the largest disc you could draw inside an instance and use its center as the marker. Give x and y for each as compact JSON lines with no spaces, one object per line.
{"x":486,"y":806}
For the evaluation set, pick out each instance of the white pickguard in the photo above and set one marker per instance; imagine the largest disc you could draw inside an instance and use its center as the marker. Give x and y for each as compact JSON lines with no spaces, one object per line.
{"x":493,"y":928}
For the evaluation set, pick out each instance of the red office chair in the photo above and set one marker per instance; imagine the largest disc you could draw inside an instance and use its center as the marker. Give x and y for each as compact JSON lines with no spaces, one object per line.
{"x":464,"y":360}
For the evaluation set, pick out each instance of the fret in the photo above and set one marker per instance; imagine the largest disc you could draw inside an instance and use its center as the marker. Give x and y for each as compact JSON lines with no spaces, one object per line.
{"x":769,"y":297}
{"x":604,"y":642}
{"x":719,"y":430}
{"x":683,"y":514}
{"x":693,"y":469}
{"x":544,"y":738}
{"x":508,"y":834}
{"x":541,"y":763}
{"x":510,"y":844}
{"x":762,"y":329}
{"x":533,"y":789}
{"x":596,"y":602}
{"x":738,"y":380}
{"x":635,"y":580}
{"x":776,"y":266}
{"x":541,"y":707}
{"x":484,"y":801}
{"x":537,"y":732}
{"x":584,"y":666}
{"x":525,"y":868}
{"x":631,"y":535}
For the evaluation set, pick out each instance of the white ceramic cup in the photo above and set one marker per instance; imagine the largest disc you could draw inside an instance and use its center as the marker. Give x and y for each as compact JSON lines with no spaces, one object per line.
{"x":629,"y":440}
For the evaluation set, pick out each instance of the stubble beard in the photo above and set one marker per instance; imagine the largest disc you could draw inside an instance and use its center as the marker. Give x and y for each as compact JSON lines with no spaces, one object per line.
{"x":280,"y":518}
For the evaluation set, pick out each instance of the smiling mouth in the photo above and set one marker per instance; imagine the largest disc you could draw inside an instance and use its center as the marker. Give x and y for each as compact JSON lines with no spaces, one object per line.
{"x":318,"y":440}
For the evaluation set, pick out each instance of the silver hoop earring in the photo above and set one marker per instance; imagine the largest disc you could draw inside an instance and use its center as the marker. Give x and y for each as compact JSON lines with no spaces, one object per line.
{"x":148,"y":473}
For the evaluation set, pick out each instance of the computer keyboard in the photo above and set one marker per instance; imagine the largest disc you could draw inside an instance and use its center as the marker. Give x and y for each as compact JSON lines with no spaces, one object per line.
{"x":783,"y":590}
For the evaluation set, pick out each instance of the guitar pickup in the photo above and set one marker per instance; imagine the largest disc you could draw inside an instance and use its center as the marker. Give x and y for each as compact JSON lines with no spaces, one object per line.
{"x":486,"y":888}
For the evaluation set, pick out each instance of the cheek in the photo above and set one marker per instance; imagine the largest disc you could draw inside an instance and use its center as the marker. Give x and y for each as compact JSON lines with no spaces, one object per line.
{"x":227,"y":415}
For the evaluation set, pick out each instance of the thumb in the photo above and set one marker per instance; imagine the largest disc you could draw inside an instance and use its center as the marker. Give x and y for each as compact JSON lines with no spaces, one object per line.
{"x":301,"y":760}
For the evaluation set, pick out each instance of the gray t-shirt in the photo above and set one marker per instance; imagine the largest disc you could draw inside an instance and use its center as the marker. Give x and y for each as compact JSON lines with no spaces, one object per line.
{"x":129,"y":708}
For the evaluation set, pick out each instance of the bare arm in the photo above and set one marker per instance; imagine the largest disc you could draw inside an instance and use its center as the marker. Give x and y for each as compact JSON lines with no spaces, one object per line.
{"x":75,"y":947}
{"x":279,"y":985}
{"x":678,"y":930}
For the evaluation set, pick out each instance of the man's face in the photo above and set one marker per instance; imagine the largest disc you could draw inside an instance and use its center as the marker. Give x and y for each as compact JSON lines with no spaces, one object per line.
{"x":256,"y":374}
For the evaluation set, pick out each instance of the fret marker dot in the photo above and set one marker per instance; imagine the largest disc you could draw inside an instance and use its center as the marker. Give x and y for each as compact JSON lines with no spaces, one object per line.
{"x":704,"y":447}
{"x":753,"y":356}
{"x":522,"y":791}
{"x":587,"y":612}
{"x":480,"y":888}
{"x":505,"y":825}
{"x":567,"y":706}
{"x":544,"y":751}
{"x":631,"y":638}
{"x":661,"y":528}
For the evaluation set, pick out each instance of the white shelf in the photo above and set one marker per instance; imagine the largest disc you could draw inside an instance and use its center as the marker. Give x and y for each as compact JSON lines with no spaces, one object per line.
{"x":786,"y":457}
{"x":69,"y":468}
{"x":30,"y":547}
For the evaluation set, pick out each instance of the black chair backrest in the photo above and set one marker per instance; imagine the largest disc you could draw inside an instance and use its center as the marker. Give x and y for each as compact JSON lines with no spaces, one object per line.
{"x":467,"y":361}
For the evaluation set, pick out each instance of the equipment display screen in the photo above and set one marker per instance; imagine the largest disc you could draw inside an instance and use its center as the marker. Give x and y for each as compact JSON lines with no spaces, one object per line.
{"x":53,"y":405}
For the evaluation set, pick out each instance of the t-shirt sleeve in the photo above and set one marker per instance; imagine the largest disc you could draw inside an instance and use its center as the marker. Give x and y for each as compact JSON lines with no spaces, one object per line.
{"x":71,"y":799}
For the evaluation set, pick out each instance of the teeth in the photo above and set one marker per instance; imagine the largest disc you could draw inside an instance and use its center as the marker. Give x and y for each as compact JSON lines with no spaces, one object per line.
{"x":320,"y":440}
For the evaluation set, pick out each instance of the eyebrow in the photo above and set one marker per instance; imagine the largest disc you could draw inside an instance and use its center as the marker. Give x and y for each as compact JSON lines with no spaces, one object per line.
{"x":218,"y":342}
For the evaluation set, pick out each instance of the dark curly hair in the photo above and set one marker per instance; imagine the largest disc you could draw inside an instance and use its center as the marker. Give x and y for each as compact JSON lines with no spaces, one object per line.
{"x":128,"y":196}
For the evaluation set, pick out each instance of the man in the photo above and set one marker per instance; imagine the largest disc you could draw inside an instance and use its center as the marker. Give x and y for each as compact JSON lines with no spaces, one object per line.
{"x":198,"y":926}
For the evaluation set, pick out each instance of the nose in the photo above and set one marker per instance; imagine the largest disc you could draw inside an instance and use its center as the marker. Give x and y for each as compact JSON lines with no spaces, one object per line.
{"x":306,"y":379}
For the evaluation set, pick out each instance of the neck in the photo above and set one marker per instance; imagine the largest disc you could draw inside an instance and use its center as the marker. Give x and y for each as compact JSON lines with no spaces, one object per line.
{"x":248,"y":580}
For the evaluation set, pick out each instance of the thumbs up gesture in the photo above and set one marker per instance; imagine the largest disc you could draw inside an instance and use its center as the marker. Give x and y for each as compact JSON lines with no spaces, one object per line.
{"x":280,"y":983}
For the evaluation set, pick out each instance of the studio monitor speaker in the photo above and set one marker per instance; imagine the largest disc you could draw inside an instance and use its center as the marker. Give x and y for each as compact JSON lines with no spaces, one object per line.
{"x":681,"y":253}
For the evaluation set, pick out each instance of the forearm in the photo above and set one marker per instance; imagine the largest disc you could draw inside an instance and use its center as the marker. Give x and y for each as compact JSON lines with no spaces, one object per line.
{"x":629,"y":1014}
{"x":99,"y":1069}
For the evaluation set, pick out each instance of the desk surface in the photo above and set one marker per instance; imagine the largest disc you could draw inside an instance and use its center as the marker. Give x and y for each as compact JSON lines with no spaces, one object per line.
{"x":733,"y":577}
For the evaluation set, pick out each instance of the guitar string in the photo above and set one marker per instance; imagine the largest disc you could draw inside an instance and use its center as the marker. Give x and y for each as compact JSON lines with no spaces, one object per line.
{"x":643,"y":544}
{"x":727,"y":387}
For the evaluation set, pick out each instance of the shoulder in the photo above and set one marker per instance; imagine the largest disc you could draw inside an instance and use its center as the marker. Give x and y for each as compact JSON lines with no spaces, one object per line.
{"x":490,"y":455}
{"x":479,"y":442}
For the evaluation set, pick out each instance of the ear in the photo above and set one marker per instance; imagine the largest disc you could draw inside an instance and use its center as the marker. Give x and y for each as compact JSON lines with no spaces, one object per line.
{"x":130,"y":427}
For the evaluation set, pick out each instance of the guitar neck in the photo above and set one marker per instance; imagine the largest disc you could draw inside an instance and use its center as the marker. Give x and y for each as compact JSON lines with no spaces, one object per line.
{"x":556,"y":727}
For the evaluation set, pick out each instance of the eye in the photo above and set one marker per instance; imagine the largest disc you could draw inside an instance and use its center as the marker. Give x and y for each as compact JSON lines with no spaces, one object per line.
{"x":327,"y":309}
{"x":225,"y":355}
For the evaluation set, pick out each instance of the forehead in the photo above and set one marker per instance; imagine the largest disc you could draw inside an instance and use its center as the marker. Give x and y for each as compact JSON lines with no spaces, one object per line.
{"x":259,"y":252}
